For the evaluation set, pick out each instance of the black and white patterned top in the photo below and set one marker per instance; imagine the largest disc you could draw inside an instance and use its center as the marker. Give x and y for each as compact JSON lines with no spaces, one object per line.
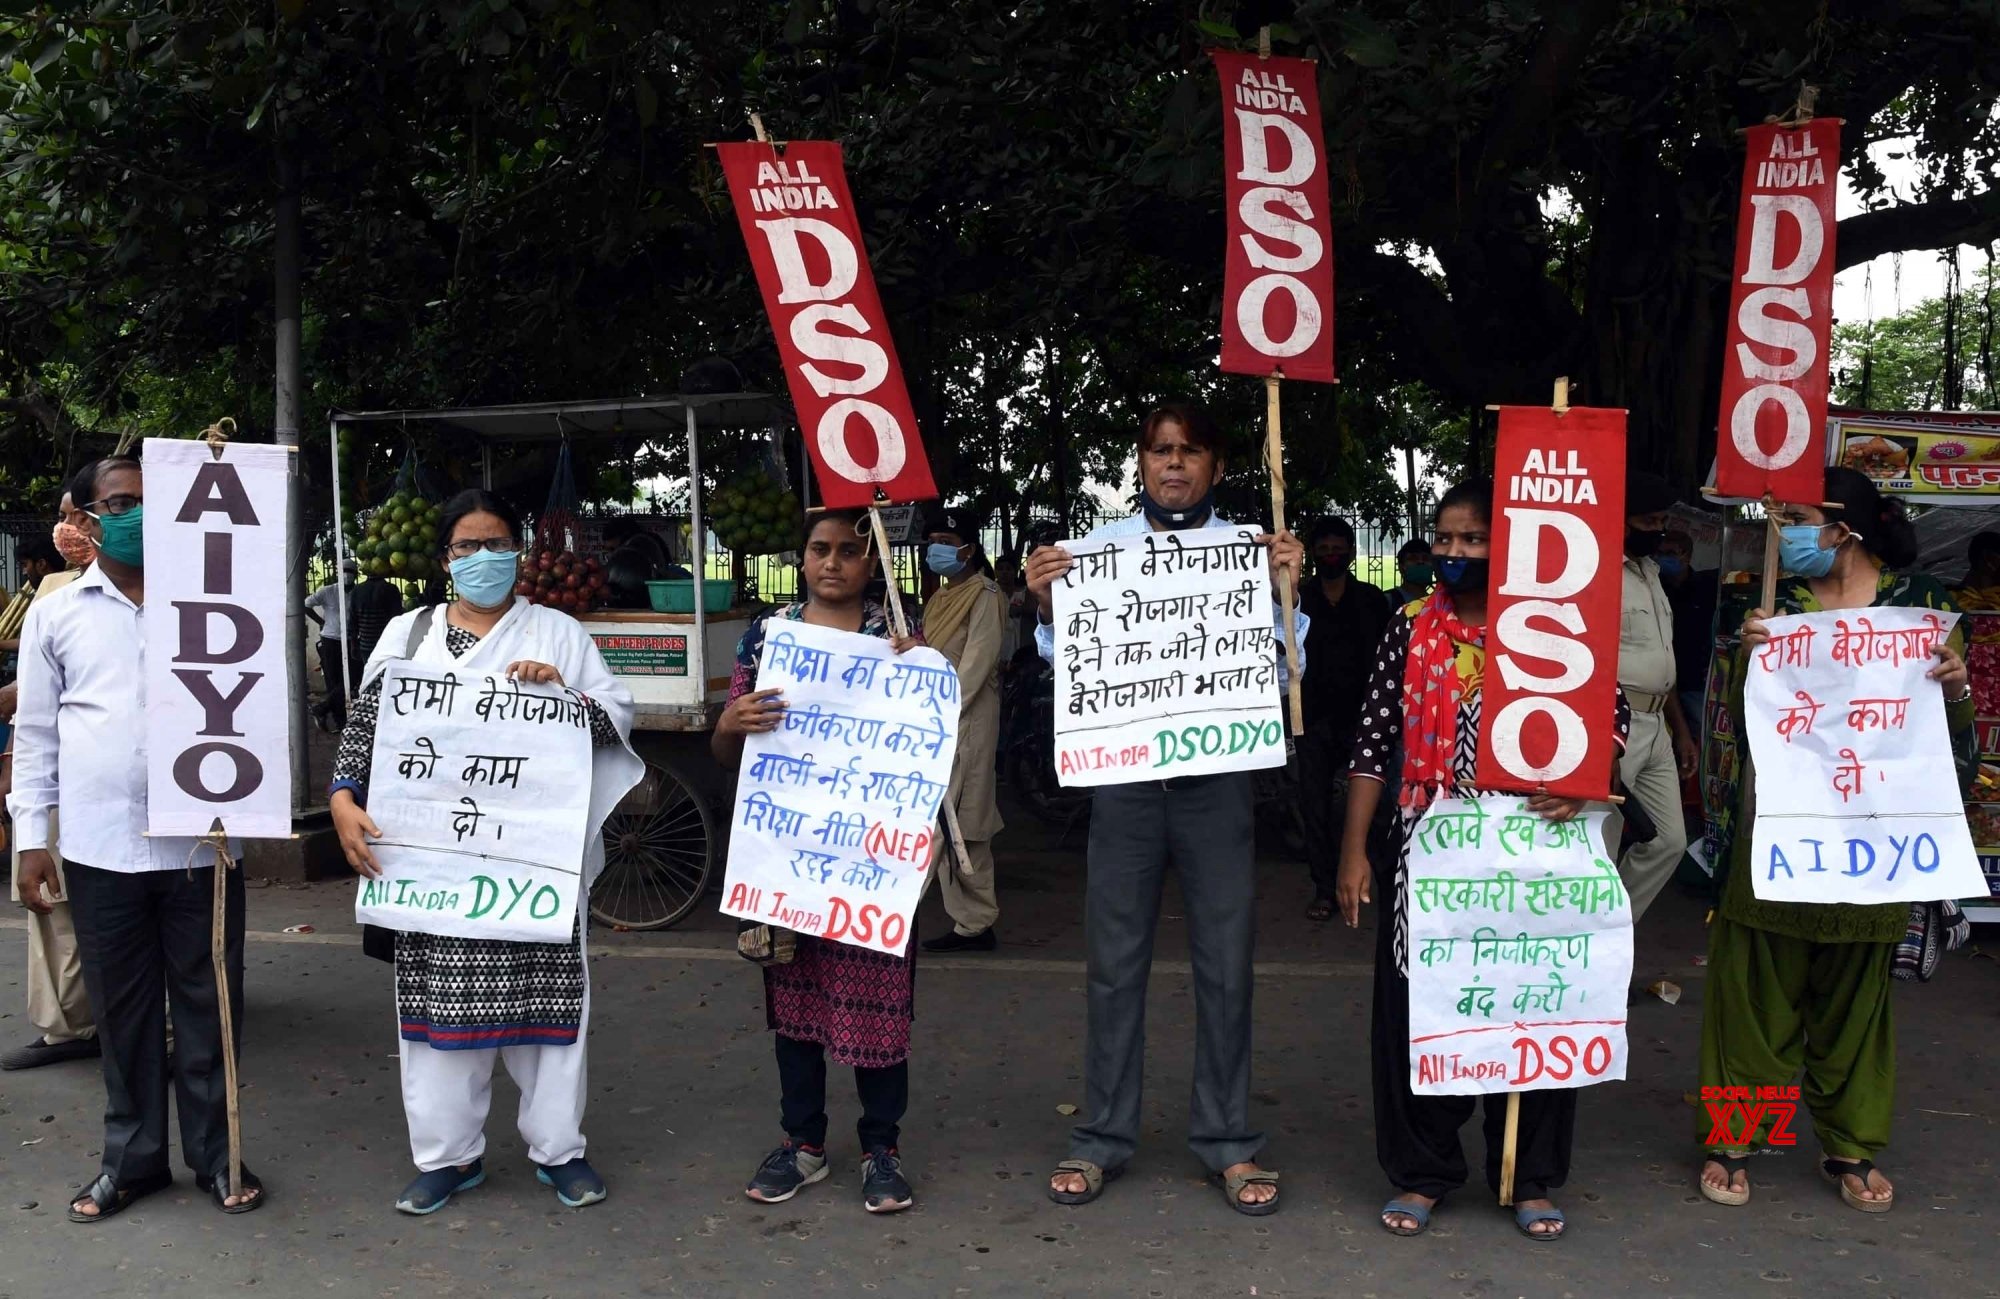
{"x":467,"y":994}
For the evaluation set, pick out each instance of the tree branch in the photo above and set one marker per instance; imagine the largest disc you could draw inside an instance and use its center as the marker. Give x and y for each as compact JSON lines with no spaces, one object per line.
{"x":1942,"y":223}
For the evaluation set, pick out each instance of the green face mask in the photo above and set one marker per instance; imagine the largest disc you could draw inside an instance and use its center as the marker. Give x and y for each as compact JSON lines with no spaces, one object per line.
{"x":1416,"y":575}
{"x":124,"y":536}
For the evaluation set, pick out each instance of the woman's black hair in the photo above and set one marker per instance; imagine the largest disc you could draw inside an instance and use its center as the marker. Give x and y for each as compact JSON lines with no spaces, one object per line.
{"x":474,"y":500}
{"x":1474,"y":492}
{"x":1884,"y":525}
{"x":857,"y":519}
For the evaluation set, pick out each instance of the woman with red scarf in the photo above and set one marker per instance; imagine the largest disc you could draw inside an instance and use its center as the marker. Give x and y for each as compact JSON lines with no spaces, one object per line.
{"x":1424,"y":700}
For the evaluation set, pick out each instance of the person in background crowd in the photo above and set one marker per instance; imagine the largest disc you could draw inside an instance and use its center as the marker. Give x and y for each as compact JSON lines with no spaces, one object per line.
{"x":38,"y":558}
{"x":1982,"y":575}
{"x":324,"y":607}
{"x":372,"y":605}
{"x":832,"y":1000}
{"x":1347,"y":617}
{"x":1423,"y":705}
{"x":1805,"y":985}
{"x":1203,"y":827}
{"x":1660,"y":750}
{"x":1414,"y":571}
{"x":1007,"y":573}
{"x":1692,"y":595}
{"x":466,"y":1003}
{"x":142,"y":905}
{"x":966,"y":621}
{"x":58,"y":1003}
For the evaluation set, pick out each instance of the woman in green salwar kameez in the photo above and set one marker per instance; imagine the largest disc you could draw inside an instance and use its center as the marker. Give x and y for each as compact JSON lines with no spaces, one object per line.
{"x":1795,"y":985}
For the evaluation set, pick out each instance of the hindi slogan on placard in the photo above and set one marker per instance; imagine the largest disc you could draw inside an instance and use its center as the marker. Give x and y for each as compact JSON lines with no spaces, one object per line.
{"x":836,"y":816}
{"x":1857,"y":798}
{"x":481,"y":787}
{"x":1165,"y":658}
{"x":1520,"y":950}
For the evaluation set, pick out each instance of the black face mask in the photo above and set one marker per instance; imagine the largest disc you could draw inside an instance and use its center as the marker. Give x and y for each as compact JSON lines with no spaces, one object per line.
{"x":1174,"y":520}
{"x":1639,"y":545}
{"x":1459,"y":575}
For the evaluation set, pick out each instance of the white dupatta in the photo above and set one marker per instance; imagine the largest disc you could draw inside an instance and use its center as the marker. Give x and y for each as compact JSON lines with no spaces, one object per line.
{"x":529,"y":631}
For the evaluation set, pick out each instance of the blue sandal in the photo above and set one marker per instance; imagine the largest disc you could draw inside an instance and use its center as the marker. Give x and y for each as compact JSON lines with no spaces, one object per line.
{"x":433,"y":1190}
{"x":1527,"y":1218}
{"x":576,"y":1182}
{"x":1408,"y":1208}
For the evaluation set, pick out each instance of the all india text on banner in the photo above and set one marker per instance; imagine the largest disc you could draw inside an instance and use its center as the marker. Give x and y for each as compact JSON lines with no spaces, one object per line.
{"x":1165,"y":658}
{"x":481,"y":787}
{"x":217,"y":725}
{"x":835,"y":824}
{"x":1520,"y":950}
{"x":1857,"y":800}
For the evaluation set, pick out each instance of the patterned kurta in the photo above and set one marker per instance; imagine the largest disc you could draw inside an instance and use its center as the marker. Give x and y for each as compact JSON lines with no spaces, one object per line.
{"x":463,"y":994}
{"x":1378,"y":746}
{"x":856,"y":1003}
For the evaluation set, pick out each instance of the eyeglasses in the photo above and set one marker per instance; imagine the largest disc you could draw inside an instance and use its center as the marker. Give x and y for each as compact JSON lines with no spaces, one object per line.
{"x":472,"y":546}
{"x":114,"y":505}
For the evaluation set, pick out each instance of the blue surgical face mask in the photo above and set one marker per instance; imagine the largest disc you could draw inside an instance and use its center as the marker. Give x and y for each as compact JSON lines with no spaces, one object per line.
{"x":1799,"y":551}
{"x":485,"y":579}
{"x":943,"y":560}
{"x":1670,"y":565}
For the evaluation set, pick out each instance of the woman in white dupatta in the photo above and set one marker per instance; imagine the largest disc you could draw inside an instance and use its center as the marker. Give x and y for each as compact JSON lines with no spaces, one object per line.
{"x":462,"y":1003}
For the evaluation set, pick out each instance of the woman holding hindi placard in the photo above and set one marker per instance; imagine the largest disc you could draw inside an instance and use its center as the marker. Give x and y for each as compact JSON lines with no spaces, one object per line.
{"x":1803,"y":985}
{"x":464,"y":1003}
{"x":831,"y":1000}
{"x":1424,"y":702}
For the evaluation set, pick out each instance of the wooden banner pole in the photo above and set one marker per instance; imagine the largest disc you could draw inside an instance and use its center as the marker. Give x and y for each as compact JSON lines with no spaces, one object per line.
{"x":218,"y":956}
{"x":1508,"y":1147}
{"x":1274,"y":460}
{"x":1771,"y":535}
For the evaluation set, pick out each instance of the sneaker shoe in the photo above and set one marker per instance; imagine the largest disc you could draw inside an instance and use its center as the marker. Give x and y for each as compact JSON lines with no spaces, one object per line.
{"x":983,"y":941}
{"x":883,"y":1187}
{"x":784,"y":1171}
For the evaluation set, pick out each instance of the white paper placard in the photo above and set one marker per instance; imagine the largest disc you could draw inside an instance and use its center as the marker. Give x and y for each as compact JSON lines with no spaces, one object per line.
{"x":1165,"y":658}
{"x":835,"y":823}
{"x":217,"y":718}
{"x":481,"y":788}
{"x":1520,"y":950}
{"x":1857,"y":796}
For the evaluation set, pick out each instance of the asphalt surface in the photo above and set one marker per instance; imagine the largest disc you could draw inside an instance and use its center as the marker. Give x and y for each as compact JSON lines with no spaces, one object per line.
{"x":683,"y":1105}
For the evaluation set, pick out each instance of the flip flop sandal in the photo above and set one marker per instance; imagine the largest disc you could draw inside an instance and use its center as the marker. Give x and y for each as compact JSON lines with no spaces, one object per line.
{"x":1727,"y":1195}
{"x":1838,"y":1170}
{"x":1409,"y":1208}
{"x":112,"y":1198}
{"x":1527,"y":1218}
{"x":216,"y":1187}
{"x":431,"y":1191}
{"x":576,"y":1183}
{"x":1095,"y":1179}
{"x":1232,"y":1190}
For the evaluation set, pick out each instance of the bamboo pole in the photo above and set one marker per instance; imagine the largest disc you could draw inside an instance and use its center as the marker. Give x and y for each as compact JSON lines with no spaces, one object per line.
{"x":1509,"y":1145}
{"x":1274,"y":460}
{"x":1771,"y":535}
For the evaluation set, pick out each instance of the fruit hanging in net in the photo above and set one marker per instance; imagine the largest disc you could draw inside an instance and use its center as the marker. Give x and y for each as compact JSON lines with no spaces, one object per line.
{"x":553,"y":573}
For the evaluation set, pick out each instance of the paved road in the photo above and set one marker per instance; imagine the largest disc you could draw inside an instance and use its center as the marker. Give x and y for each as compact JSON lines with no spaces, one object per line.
{"x":684,"y":1103}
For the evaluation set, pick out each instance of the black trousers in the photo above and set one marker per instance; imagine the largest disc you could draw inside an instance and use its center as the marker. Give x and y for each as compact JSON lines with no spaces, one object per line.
{"x":1323,"y":757}
{"x":144,"y":938}
{"x":1417,"y":1137}
{"x":884,"y":1093}
{"x":332,"y":666}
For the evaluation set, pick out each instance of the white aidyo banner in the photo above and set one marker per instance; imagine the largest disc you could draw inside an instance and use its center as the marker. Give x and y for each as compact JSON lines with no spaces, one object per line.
{"x":835,"y":823}
{"x":481,"y":788}
{"x":217,"y":716}
{"x":1520,"y":950}
{"x":1857,"y":795}
{"x":1165,"y":658}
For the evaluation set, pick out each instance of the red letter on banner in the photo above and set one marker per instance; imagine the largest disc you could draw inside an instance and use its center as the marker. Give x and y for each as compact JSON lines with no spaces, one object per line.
{"x":805,"y":243}
{"x":1277,"y":279}
{"x":1772,"y":434}
{"x":1553,"y":606}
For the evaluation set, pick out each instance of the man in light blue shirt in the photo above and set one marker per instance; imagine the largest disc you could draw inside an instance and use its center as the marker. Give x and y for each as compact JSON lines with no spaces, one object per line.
{"x":1203,"y":825}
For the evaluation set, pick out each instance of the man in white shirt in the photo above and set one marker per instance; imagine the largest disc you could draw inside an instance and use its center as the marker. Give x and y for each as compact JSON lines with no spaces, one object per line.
{"x":1203,"y":825}
{"x":142,"y":906}
{"x":325,"y":607}
{"x":1660,"y":749}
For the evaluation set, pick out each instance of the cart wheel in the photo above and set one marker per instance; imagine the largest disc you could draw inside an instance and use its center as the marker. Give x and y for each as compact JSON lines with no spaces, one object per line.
{"x":659,"y":846}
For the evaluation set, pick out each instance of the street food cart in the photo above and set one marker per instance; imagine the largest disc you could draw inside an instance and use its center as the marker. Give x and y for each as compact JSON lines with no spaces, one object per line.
{"x":663,"y":841}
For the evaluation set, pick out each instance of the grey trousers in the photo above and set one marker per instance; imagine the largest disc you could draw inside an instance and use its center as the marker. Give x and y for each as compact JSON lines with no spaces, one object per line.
{"x":1203,"y":826}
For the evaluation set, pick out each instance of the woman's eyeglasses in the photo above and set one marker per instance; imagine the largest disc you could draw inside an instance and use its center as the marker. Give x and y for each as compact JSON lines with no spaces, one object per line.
{"x":497,"y":545}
